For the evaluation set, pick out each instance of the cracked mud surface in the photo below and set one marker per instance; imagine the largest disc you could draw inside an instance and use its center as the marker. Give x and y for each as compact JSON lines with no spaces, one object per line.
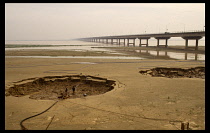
{"x":196,"y":72}
{"x":60,"y":87}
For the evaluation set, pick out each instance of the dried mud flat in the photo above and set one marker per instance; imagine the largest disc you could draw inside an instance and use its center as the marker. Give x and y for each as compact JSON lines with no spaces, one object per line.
{"x":196,"y":72}
{"x":60,"y":87}
{"x":134,"y":103}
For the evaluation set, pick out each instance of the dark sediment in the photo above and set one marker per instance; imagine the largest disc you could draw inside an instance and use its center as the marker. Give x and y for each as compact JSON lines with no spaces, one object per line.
{"x":197,"y":72}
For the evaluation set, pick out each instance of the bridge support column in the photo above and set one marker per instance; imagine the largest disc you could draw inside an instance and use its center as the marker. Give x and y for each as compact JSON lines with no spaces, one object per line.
{"x":166,"y":43}
{"x":106,"y":41}
{"x":196,"y":38}
{"x":196,"y":44}
{"x":140,"y":44}
{"x":122,"y":42}
{"x":128,"y":42}
{"x":111,"y":41}
{"x":158,"y":41}
{"x":186,"y":44}
{"x":131,"y":42}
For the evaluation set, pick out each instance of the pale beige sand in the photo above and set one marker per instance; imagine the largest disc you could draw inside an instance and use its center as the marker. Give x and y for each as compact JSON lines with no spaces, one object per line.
{"x":135,"y":94}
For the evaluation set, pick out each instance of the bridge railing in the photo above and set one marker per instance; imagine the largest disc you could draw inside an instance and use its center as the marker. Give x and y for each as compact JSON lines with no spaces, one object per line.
{"x":174,"y":32}
{"x":188,"y":31}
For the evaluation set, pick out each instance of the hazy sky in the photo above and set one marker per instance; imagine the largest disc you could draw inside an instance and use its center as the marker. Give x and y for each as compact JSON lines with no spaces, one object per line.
{"x":57,"y":21}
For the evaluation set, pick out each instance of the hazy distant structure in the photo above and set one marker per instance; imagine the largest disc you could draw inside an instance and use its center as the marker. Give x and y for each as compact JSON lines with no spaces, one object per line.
{"x":164,"y":36}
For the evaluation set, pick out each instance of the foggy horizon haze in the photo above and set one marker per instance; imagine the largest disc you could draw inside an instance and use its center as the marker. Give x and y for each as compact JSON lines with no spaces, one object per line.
{"x":65,"y":21}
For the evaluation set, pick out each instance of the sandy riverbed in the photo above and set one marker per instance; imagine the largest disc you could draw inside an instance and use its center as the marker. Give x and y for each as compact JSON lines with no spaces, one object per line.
{"x":138,"y":102}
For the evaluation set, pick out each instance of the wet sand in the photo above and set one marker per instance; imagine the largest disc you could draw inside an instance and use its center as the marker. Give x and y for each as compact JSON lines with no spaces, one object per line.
{"x":138,"y":102}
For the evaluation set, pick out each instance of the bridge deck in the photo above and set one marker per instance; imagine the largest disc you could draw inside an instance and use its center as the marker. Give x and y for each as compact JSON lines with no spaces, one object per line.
{"x":166,"y":34}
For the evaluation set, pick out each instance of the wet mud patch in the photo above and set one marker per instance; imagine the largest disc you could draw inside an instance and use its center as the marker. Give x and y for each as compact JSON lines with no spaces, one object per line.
{"x":196,"y":72}
{"x":61,"y":87}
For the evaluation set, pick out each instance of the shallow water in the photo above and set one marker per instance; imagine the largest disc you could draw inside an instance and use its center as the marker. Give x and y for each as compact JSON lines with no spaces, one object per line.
{"x":91,"y":46}
{"x":92,"y":57}
{"x":173,"y":55}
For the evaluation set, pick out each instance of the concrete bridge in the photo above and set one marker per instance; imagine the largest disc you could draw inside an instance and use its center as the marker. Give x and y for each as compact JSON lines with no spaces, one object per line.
{"x":121,"y":39}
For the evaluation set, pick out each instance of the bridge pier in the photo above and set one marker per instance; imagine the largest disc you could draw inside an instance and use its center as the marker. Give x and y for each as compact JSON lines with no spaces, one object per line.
{"x":114,"y":42}
{"x":122,"y":42}
{"x":107,"y":41}
{"x":111,"y":41}
{"x":166,"y":42}
{"x":128,"y":43}
{"x":140,"y":44}
{"x":196,"y":38}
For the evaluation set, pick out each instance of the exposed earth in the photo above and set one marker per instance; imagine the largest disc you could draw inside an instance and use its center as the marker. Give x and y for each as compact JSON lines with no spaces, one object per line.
{"x":132,"y":101}
{"x":197,"y":72}
{"x":61,"y":87}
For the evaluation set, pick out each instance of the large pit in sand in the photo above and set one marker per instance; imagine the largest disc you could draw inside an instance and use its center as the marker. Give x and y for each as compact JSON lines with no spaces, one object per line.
{"x":61,"y":87}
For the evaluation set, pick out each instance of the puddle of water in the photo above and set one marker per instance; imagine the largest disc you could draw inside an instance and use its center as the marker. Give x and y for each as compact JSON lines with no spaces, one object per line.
{"x":93,"y":57}
{"x":173,"y":55}
{"x":89,"y":46}
{"x":186,"y":56}
{"x":84,"y":63}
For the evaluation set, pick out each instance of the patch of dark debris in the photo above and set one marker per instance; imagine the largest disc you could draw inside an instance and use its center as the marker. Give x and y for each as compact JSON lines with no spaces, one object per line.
{"x":61,"y":87}
{"x":196,"y":72}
